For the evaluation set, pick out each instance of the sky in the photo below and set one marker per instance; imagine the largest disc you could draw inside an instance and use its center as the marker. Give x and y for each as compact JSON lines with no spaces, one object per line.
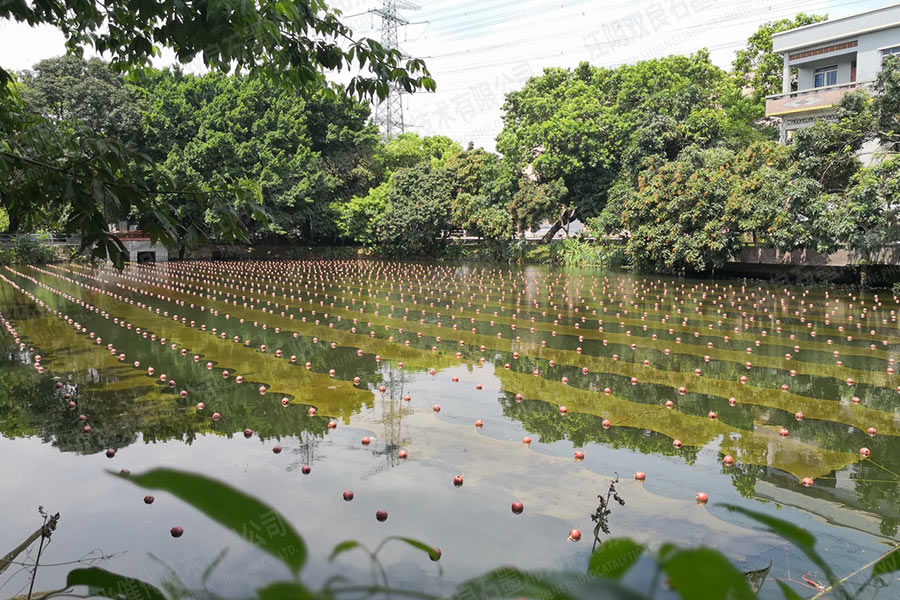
{"x":478,"y":50}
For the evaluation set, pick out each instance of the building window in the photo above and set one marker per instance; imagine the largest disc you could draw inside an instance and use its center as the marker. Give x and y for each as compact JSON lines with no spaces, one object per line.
{"x":888,"y":52}
{"x":826,"y":76}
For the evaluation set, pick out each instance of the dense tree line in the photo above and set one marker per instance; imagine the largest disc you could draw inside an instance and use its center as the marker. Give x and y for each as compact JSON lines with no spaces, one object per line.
{"x":671,"y":155}
{"x":63,"y":166}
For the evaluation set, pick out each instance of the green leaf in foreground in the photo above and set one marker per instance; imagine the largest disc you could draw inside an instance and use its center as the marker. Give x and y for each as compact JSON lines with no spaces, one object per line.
{"x":508,"y":582}
{"x":788,"y":591}
{"x":796,"y":535}
{"x":256,"y":522}
{"x":888,"y":564}
{"x":704,"y":574}
{"x":106,"y":584}
{"x":432,"y":553}
{"x":614,"y":557}
{"x":343,"y":547}
{"x":285,"y":590}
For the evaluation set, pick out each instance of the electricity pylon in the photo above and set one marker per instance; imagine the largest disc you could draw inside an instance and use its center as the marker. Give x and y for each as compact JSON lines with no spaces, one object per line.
{"x":389,"y":112}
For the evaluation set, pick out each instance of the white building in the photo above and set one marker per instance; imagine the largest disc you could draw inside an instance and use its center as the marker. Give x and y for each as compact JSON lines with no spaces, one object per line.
{"x":827,"y":60}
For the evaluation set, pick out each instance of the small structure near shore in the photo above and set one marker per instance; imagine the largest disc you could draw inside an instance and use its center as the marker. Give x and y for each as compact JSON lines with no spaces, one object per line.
{"x":141,"y":249}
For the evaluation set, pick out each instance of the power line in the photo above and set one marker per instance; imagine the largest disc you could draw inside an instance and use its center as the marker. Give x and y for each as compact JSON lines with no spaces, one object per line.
{"x":389,"y":112}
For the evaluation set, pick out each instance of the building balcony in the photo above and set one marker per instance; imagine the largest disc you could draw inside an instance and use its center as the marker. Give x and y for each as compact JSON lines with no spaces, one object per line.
{"x":812,"y":99}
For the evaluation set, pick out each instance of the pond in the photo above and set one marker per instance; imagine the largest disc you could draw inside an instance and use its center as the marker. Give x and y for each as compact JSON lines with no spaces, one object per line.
{"x":390,"y":379}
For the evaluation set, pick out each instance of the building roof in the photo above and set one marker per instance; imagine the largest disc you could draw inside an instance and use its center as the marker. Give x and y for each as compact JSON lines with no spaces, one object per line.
{"x":835,"y":29}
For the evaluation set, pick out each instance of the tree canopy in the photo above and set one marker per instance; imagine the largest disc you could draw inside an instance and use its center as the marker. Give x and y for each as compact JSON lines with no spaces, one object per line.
{"x":757,"y":67}
{"x":70,"y":169}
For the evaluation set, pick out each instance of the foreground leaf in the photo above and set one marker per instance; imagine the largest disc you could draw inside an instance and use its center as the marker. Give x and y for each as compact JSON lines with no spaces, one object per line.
{"x":256,"y":522}
{"x":788,"y":591}
{"x":343,"y":547}
{"x":285,"y":590}
{"x":614,"y":557}
{"x":798,"y":536}
{"x":431,"y":552}
{"x":704,"y":574}
{"x":107,"y":584}
{"x":888,"y":564}
{"x":508,"y":582}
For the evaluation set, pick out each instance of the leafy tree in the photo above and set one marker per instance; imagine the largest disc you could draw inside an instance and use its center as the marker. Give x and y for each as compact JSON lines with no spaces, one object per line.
{"x":51,"y":174}
{"x":676,"y":215}
{"x":46,"y":165}
{"x":866,"y":217}
{"x":758,"y":68}
{"x":772,"y":201}
{"x":418,"y":216}
{"x":887,"y":102}
{"x":533,"y":202}
{"x":409,"y":149}
{"x":480,"y":200}
{"x":303,"y":153}
{"x":358,"y":218}
{"x":828,"y":151}
{"x":291,"y":42}
{"x":589,"y":125}
{"x":68,"y":88}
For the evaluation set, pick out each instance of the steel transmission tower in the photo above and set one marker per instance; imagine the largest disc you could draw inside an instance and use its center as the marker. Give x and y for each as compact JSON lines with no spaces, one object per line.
{"x":389,"y":112}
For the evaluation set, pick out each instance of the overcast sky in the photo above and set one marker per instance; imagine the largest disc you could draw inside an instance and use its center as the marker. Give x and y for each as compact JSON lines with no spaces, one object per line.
{"x":478,"y":50}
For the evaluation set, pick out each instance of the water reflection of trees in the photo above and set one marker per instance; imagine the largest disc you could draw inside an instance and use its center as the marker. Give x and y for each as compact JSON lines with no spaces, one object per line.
{"x":876,"y":482}
{"x":30,"y":405}
{"x":581,"y":429}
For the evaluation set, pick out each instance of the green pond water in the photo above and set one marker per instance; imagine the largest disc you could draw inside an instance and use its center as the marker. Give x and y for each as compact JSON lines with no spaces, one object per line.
{"x":642,"y":374}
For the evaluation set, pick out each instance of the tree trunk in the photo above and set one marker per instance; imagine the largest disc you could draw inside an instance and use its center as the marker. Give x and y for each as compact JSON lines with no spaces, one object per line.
{"x":549,"y":235}
{"x":15,"y":219}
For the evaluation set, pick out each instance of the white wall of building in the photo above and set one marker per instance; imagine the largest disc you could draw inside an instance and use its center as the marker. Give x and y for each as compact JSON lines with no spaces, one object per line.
{"x":828,"y":31}
{"x":868,"y":52}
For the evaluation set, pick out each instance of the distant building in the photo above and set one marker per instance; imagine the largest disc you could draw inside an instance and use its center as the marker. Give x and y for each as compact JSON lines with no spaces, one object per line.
{"x":828,"y":60}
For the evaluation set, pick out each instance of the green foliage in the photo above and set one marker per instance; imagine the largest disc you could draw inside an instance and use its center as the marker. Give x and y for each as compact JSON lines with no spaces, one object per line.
{"x":693,"y":573}
{"x":480,"y":200}
{"x":61,"y":170}
{"x":772,"y":201}
{"x":586,"y":126}
{"x":295,"y":43}
{"x":68,"y":89}
{"x":29,"y":251}
{"x":614,"y":557}
{"x":757,"y":67}
{"x":246,"y":516}
{"x":866,"y":217}
{"x":64,"y":175}
{"x":418,"y":215}
{"x":887,"y":102}
{"x":828,"y":151}
{"x":302,"y":154}
{"x":533,"y":202}
{"x":409,"y":149}
{"x":357,"y":219}
{"x":704,"y":573}
{"x":676,"y":215}
{"x":105,"y":584}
